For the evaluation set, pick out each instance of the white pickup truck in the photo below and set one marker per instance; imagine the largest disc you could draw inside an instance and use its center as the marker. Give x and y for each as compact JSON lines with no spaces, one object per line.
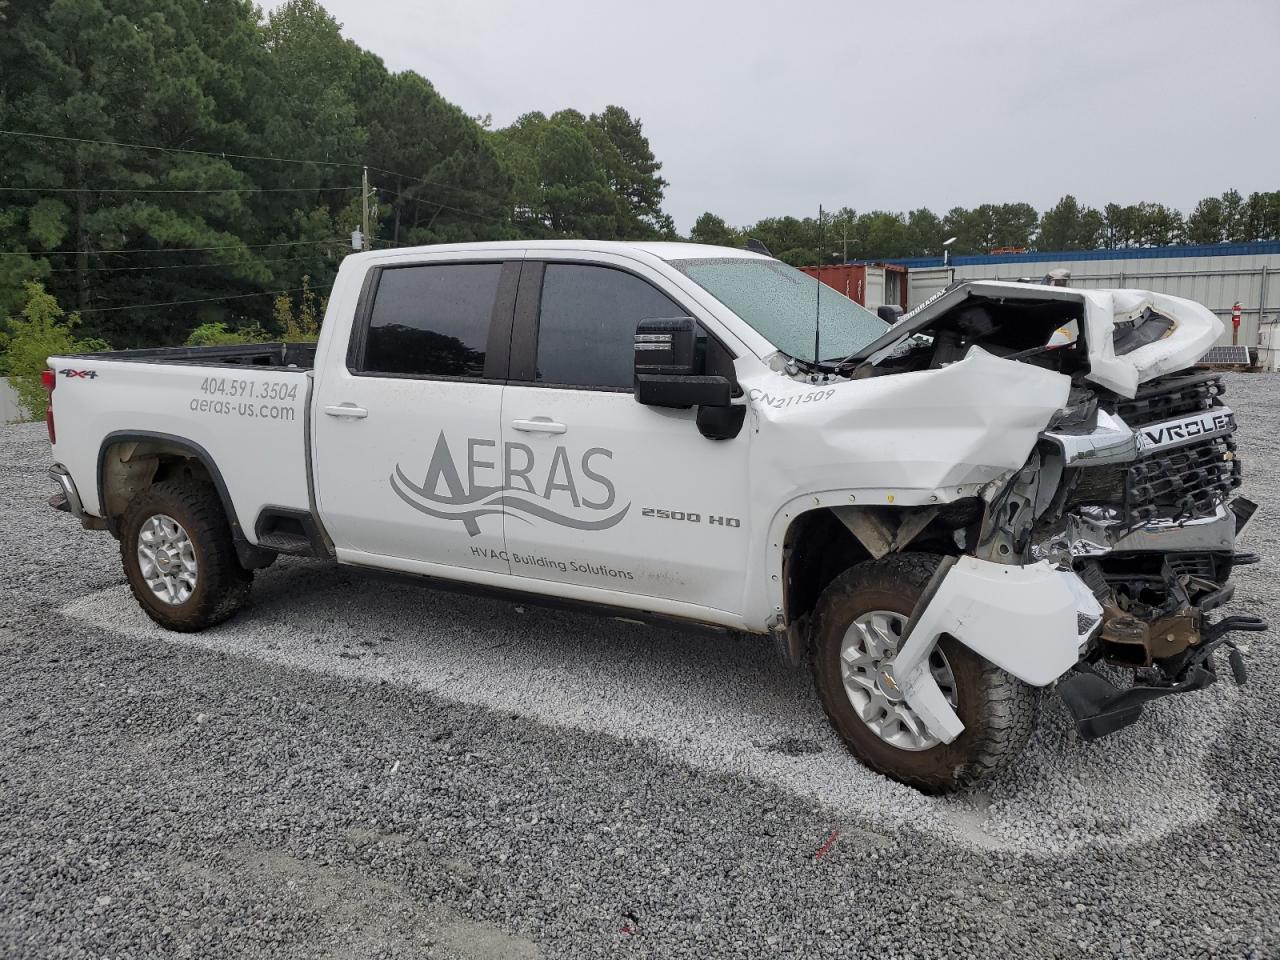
{"x":999,"y":492}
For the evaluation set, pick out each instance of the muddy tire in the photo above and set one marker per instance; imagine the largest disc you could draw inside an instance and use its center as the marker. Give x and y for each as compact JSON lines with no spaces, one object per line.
{"x":857,"y":614}
{"x":179,"y":557}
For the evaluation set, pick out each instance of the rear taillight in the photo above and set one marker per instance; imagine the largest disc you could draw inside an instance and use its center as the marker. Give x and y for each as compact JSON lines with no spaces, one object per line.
{"x":50,"y":380}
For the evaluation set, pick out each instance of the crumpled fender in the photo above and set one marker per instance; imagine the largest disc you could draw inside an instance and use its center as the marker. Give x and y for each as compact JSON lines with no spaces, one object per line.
{"x":1030,"y":621}
{"x":912,"y":439}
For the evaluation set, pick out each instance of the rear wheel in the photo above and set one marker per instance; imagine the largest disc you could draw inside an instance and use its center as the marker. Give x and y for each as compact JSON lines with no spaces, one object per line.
{"x":857,"y":630}
{"x":179,"y":557}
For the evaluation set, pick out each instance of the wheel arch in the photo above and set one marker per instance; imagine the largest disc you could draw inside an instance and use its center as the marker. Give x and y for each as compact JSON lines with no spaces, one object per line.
{"x":152,"y":456}
{"x":816,"y":548}
{"x":816,"y":537}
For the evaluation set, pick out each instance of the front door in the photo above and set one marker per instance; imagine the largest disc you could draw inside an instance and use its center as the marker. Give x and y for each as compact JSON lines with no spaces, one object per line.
{"x":407,"y":436}
{"x":603,"y":492}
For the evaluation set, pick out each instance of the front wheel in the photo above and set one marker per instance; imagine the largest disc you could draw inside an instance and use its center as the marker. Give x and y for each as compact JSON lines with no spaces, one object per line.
{"x":179,"y":557}
{"x":857,"y":629}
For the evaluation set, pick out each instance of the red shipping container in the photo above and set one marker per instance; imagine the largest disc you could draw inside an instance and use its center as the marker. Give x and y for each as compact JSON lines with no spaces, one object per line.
{"x":851,"y":280}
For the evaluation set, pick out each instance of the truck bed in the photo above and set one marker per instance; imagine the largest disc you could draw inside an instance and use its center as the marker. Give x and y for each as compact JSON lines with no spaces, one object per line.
{"x":271,"y":356}
{"x":239,"y":409}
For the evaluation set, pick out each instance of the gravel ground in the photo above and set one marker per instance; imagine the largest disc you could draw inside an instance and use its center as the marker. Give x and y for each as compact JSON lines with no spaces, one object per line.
{"x":358,"y":766}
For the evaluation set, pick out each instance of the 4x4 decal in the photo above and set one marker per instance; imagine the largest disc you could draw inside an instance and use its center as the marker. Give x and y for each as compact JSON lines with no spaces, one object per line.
{"x":517,"y":494}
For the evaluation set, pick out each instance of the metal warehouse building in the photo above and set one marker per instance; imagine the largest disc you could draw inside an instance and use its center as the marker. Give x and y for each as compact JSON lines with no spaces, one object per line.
{"x":1217,"y":275}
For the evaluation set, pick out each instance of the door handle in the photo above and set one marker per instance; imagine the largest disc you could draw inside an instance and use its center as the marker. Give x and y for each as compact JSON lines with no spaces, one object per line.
{"x":348,"y":410}
{"x":538,"y":425}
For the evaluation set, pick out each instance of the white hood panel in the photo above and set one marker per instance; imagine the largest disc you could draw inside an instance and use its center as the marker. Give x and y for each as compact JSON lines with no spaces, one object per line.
{"x":900,"y":439}
{"x":1195,"y":330}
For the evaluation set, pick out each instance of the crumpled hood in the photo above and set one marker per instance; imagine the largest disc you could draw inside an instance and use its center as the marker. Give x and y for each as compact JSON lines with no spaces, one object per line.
{"x":939,"y":434}
{"x":1195,"y":328}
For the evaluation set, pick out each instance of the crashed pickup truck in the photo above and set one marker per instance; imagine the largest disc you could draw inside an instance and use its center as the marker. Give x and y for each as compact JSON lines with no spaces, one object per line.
{"x":1011,"y":488}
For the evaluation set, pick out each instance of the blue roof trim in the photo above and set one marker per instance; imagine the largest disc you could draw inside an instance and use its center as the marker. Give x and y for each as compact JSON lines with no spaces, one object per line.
{"x":1124,"y":253}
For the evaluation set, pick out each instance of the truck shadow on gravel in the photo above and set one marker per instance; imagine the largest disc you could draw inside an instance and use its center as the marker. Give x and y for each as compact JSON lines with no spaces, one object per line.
{"x":710,"y":701}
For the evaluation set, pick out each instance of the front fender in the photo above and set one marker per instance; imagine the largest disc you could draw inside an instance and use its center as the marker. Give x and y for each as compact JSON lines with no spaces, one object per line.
{"x":1030,"y":621}
{"x":922,"y":438}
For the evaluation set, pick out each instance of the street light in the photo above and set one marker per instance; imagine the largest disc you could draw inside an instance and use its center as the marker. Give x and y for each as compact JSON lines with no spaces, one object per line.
{"x":946,"y":252}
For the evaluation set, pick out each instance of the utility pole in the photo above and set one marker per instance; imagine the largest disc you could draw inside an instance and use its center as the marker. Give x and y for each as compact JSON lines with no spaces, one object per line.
{"x":364,"y":203}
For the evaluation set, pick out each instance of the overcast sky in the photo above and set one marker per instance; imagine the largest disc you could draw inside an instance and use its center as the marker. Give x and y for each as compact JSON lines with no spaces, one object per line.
{"x":768,"y":108}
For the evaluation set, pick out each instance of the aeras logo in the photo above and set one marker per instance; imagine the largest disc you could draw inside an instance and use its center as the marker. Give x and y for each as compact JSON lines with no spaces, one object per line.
{"x":572,"y":493}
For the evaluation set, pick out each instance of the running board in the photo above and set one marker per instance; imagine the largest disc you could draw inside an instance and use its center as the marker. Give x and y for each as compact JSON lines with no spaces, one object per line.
{"x":291,"y":543}
{"x":295,"y":532}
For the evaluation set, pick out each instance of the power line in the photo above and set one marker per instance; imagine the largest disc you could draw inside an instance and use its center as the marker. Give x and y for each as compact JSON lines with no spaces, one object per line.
{"x":246,"y":156}
{"x":435,"y":183}
{"x":174,"y":190}
{"x":457,"y":210}
{"x":176,"y":303}
{"x":179,"y":266}
{"x":205,"y":153}
{"x":229,"y":246}
{"x":439,"y":205}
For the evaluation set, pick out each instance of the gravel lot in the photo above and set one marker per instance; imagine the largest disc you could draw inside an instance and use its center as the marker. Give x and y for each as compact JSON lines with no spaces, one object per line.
{"x":358,"y":766}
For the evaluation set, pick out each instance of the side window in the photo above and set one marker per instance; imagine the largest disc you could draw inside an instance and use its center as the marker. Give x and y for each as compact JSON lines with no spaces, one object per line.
{"x":432,"y":319}
{"x":587,"y":324}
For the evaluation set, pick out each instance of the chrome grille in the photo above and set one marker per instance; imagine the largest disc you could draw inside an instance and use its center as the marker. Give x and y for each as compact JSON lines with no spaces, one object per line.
{"x":1182,"y":483}
{"x":1171,"y":396}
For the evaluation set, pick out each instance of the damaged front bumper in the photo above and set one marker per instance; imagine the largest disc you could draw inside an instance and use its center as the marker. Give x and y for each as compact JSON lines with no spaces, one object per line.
{"x":1045,"y":625}
{"x":1032,"y":621}
{"x":1100,"y":708}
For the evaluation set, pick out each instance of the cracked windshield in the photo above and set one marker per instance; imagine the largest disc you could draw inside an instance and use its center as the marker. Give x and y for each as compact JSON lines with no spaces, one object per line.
{"x":781,"y":304}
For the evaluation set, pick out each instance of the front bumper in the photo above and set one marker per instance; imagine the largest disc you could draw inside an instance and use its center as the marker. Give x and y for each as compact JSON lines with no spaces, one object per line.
{"x":1037,"y":622}
{"x":1100,"y":708}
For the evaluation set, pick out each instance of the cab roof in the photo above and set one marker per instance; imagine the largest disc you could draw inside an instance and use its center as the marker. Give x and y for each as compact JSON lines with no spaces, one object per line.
{"x":662,"y":249}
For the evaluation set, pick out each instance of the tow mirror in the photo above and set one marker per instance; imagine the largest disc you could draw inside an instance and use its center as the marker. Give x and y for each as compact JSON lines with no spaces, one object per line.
{"x":890,"y":313}
{"x":666,"y":367}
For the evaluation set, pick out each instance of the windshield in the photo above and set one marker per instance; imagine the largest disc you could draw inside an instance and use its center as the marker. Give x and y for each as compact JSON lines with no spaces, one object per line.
{"x":781,"y":304}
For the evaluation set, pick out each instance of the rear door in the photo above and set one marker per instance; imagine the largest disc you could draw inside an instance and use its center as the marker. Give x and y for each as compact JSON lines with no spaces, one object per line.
{"x":602,"y":491}
{"x":408,"y":436}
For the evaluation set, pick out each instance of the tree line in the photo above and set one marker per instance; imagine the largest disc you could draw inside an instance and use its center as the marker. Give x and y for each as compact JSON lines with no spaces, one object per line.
{"x":183,"y":171}
{"x":1068,"y":225}
{"x":266,"y":124}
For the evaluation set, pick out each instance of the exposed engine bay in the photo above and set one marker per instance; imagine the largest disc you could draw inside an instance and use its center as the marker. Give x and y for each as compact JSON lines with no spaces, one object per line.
{"x":1116,"y":339}
{"x":1040,"y":332}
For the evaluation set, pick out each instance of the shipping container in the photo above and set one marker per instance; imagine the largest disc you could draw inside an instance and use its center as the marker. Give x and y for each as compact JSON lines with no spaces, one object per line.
{"x":870,"y":284}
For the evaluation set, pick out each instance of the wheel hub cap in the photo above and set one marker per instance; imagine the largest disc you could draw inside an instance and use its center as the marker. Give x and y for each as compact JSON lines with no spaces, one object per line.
{"x":167,"y":559}
{"x":887,"y":686}
{"x":866,"y":667}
